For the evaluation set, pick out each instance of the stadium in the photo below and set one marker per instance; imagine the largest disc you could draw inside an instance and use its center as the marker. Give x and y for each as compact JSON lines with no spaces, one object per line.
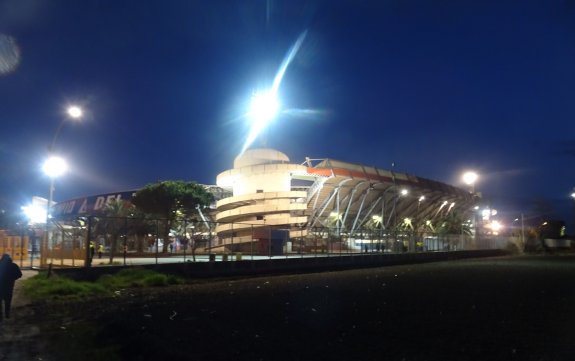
{"x":343,"y":206}
{"x":267,"y":205}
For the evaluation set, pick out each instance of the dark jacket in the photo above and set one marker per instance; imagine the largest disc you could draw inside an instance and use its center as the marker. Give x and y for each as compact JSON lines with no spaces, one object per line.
{"x":9,"y":273}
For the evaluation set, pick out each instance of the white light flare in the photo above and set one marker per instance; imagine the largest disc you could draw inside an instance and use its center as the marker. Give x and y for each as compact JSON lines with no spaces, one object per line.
{"x":265,"y":106}
{"x":470,"y":178}
{"x":75,"y":112}
{"x":55,"y":167}
{"x":35,"y":214}
{"x":495,"y":226}
{"x":287,"y":60}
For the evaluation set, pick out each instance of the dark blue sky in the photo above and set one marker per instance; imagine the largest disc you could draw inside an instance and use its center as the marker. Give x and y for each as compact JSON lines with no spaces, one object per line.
{"x":434,"y":86}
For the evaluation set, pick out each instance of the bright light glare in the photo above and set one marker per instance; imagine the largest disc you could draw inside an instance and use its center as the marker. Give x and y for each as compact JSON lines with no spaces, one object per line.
{"x":35,"y":214}
{"x":263,"y":108}
{"x":55,"y":167}
{"x":470,"y":178}
{"x":404,"y":192}
{"x":75,"y":112}
{"x":496,"y":226}
{"x":573,"y":195}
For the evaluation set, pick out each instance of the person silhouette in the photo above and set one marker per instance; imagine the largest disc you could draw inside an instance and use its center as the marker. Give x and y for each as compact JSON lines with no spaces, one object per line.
{"x":9,"y":273}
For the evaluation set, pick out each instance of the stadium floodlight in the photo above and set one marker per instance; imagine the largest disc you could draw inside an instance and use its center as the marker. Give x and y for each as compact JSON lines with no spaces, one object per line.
{"x":470,"y":177}
{"x":264,"y":108}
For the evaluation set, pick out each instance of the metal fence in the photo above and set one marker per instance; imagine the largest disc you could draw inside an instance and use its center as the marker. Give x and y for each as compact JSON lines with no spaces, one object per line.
{"x":94,"y":241}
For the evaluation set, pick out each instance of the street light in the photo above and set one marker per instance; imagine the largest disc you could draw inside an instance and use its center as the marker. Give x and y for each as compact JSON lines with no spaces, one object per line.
{"x":56,"y":166}
{"x":53,"y":167}
{"x":74,"y":112}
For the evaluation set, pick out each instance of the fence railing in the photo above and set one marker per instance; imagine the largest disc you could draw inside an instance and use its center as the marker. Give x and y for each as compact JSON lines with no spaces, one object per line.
{"x":82,"y":242}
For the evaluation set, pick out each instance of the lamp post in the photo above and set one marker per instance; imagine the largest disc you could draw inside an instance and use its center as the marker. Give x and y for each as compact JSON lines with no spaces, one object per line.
{"x":54,"y":167}
{"x":74,"y":112}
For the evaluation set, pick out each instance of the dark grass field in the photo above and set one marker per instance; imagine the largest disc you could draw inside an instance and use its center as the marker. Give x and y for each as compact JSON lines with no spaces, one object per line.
{"x":512,"y":308}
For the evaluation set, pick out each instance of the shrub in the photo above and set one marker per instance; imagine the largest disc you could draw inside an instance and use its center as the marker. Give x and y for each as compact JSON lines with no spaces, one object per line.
{"x":40,"y":288}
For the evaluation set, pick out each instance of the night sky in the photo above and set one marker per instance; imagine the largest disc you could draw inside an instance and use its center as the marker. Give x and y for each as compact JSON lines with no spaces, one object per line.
{"x":435,"y":87}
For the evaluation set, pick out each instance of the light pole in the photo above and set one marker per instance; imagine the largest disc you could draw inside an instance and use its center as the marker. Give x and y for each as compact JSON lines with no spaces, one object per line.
{"x":54,"y":167}
{"x":74,"y":112}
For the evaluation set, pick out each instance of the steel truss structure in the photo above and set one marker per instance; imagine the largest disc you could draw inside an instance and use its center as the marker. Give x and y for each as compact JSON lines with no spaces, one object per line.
{"x":349,"y":197}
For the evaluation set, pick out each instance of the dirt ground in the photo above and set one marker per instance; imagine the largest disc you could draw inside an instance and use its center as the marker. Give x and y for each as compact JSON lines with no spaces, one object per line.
{"x":511,"y":308}
{"x":20,"y":335}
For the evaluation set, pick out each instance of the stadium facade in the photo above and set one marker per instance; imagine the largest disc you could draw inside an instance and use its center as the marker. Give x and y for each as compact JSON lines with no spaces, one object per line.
{"x":265,"y":194}
{"x":322,"y":197}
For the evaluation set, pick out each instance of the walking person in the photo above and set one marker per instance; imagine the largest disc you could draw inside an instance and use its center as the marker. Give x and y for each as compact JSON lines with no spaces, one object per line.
{"x":92,"y":250}
{"x":9,"y":273}
{"x":100,"y":250}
